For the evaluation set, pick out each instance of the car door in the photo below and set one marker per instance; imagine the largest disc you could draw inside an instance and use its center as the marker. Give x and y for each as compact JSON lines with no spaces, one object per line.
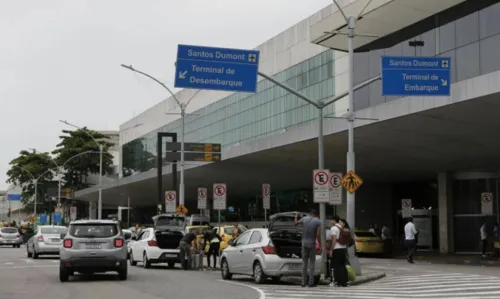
{"x":248,"y":252}
{"x":239,"y":246}
{"x":136,"y":248}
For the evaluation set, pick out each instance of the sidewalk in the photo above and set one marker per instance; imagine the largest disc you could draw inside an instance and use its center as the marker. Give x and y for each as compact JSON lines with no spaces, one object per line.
{"x":456,"y":259}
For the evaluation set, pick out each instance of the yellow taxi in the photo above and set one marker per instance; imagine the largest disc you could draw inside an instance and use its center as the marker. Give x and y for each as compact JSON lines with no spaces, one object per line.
{"x":368,"y":243}
{"x":201,"y":230}
{"x":226,"y":234}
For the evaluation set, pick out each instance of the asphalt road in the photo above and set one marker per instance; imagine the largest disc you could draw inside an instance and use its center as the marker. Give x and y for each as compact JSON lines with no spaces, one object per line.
{"x":22,"y":278}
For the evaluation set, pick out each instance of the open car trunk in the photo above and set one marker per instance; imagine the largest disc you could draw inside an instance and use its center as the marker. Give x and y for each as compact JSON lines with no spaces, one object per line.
{"x":285,"y":235}
{"x":168,"y":238}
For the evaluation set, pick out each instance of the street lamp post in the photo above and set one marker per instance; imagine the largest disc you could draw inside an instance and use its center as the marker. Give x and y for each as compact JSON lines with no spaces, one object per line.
{"x":35,"y":181}
{"x":101,"y":150}
{"x":183,"y":108}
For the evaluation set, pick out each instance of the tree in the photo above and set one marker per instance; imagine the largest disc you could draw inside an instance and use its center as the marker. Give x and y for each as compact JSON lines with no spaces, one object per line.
{"x":78,"y":168}
{"x":136,"y":158}
{"x":38,"y":164}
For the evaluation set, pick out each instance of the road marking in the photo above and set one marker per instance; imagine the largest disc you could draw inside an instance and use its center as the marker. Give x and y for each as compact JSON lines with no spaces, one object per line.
{"x":261,"y":292}
{"x":28,"y":261}
{"x":28,"y":267}
{"x":55,"y":261}
{"x":9,"y":263}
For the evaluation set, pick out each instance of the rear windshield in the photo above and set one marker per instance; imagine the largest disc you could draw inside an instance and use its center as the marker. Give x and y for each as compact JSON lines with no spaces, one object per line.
{"x":170,"y":221}
{"x":53,"y":230}
{"x":200,"y":229}
{"x":9,"y":230}
{"x":230,"y":230}
{"x":91,"y":230}
{"x":365,"y":234}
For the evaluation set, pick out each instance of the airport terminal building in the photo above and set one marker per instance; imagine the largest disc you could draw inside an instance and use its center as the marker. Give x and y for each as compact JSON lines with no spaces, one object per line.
{"x":439,"y":151}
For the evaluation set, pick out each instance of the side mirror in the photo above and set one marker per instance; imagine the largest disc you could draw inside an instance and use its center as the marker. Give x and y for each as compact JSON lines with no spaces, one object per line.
{"x":231,"y":242}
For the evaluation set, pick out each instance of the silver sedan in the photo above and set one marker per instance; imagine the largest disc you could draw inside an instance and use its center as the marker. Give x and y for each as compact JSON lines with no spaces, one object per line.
{"x":266,"y":254}
{"x":46,"y":241}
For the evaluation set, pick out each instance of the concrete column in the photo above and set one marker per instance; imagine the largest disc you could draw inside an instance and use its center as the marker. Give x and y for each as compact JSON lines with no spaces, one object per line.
{"x":92,"y":210}
{"x":445,"y":213}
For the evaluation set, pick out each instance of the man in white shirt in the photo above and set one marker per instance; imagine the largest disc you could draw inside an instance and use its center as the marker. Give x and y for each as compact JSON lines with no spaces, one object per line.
{"x":484,"y":238}
{"x":410,"y":240}
{"x":339,"y":255}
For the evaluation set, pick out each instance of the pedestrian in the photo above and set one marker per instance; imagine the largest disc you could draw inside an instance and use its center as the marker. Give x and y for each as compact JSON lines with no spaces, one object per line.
{"x":311,"y":234}
{"x":213,"y":241}
{"x":410,"y":239}
{"x":340,"y":239}
{"x":186,"y":245}
{"x":236,"y":231}
{"x":496,"y":244}
{"x":484,"y":238}
{"x":387,"y":239}
{"x":352,"y":237}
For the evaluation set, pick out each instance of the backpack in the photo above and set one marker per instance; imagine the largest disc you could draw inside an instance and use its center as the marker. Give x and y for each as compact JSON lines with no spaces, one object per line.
{"x":345,"y":237}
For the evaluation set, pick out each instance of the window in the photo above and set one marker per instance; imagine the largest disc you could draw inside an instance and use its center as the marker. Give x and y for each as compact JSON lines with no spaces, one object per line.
{"x":243,"y":239}
{"x":9,"y":230}
{"x":54,"y":230}
{"x":255,"y":238}
{"x":93,"y":230}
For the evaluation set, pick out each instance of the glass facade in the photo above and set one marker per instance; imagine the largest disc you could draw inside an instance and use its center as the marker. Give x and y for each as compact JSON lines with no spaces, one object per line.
{"x":243,"y":116}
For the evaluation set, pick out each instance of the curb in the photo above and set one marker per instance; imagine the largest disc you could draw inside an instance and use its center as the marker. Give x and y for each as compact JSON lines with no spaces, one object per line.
{"x":367,"y":279}
{"x":464,"y":261}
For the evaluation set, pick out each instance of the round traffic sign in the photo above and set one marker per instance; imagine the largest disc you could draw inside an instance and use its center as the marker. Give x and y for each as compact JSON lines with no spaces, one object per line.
{"x":406,"y":203}
{"x":335,"y":180}
{"x":170,"y":196}
{"x":220,"y":190}
{"x":321,"y":178}
{"x":486,"y":197}
{"x":266,"y":190}
{"x":202,"y":193}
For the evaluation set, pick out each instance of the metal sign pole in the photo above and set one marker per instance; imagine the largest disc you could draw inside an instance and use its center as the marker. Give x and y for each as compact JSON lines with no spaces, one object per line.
{"x":181,"y":185}
{"x":351,"y":24}
{"x":265,"y":217}
{"x":219,"y":232}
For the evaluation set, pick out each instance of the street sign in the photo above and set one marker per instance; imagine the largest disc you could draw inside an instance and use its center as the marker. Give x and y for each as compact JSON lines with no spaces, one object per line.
{"x":43,"y":219}
{"x":194,"y":147}
{"x":201,"y":67}
{"x":486,"y":203}
{"x":72,"y":213}
{"x":320,"y":184}
{"x":266,"y":196}
{"x":181,"y":210}
{"x":57,"y":217}
{"x":202,"y":198}
{"x":335,"y":188}
{"x":170,"y":201}
{"x":220,"y":193}
{"x":351,"y":181}
{"x":406,"y":205}
{"x":416,"y":76}
{"x":200,"y":157}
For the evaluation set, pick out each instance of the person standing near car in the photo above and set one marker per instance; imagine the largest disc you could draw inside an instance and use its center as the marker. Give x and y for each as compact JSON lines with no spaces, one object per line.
{"x":340,"y":239}
{"x":187,"y":243}
{"x":311,"y":234}
{"x":213,"y":241}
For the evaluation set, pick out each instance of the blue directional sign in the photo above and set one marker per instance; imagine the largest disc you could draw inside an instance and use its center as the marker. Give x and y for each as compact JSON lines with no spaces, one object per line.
{"x":43,"y":219}
{"x":416,"y":76}
{"x":57,"y":217}
{"x":216,"y":68}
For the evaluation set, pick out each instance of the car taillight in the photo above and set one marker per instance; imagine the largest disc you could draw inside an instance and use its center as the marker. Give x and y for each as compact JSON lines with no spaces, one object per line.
{"x":119,"y":242}
{"x":152,"y":243}
{"x":318,"y":248}
{"x":40,"y":238}
{"x":269,"y":249}
{"x":68,"y":243}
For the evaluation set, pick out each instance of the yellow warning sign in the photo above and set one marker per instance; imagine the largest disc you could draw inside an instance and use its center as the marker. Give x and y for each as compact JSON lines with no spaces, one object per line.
{"x":351,"y":181}
{"x":181,"y":210}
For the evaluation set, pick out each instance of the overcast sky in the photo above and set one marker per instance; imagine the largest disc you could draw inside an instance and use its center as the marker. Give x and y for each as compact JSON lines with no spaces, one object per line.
{"x":61,"y":59}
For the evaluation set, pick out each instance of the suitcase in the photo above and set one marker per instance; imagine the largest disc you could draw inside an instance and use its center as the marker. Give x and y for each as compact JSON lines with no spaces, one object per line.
{"x":197,"y":262}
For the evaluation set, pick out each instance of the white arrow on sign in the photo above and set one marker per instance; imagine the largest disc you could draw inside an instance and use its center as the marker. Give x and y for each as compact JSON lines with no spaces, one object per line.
{"x":182,"y":75}
{"x":444,"y":82}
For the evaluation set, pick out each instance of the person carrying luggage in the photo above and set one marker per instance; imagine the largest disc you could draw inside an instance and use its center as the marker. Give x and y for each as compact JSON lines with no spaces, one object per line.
{"x":187,"y":243}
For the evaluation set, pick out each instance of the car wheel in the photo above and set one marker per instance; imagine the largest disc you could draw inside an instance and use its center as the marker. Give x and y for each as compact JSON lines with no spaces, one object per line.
{"x":224,"y":270}
{"x":131,"y":260}
{"x":63,"y":274}
{"x":28,"y":253}
{"x":122,"y":274}
{"x":258,"y":274}
{"x":35,"y":255}
{"x":145,"y":262}
{"x":171,"y":265}
{"x":14,"y":246}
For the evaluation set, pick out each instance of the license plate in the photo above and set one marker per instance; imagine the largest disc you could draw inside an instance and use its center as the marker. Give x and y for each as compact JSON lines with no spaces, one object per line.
{"x":55,"y":240}
{"x":93,"y":246}
{"x":295,"y":266}
{"x":171,"y":255}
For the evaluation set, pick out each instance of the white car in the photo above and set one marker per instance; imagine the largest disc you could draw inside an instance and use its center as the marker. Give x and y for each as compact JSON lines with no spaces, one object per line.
{"x":159,"y":244}
{"x":46,"y":240}
{"x":272,"y":253}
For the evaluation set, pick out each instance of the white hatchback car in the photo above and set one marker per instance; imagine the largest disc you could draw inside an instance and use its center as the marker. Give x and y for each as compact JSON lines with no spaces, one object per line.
{"x":272,"y":253}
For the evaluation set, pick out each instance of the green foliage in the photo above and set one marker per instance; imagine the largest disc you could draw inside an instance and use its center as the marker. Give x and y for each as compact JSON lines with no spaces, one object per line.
{"x":40,"y":166}
{"x":78,"y":168}
{"x":136,"y":157}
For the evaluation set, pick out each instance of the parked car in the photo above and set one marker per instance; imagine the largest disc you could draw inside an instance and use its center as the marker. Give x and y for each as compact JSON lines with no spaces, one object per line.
{"x":10,"y":236}
{"x":47,"y":239}
{"x":268,"y":253}
{"x":93,"y":246}
{"x":368,"y":243}
{"x":226,"y":234}
{"x":159,"y":244}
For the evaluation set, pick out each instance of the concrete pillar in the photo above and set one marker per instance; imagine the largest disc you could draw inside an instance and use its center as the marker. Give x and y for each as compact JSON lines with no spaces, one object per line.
{"x":445,"y":213}
{"x":92,"y":210}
